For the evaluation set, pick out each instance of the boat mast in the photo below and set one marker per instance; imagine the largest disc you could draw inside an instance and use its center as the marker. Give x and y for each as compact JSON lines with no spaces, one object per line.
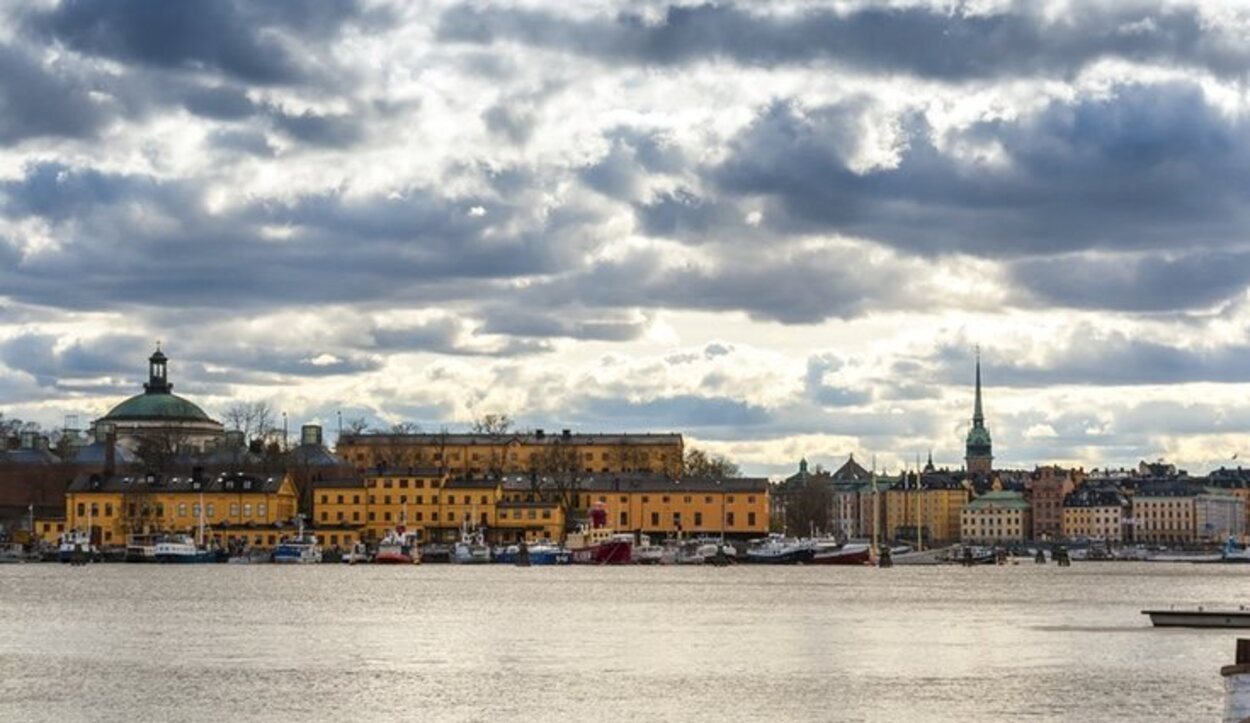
{"x":876,"y":508}
{"x":201,"y":532}
{"x":919,"y":508}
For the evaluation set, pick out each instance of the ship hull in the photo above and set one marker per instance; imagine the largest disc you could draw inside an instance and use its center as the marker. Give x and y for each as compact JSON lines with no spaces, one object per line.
{"x":855,"y":556}
{"x":613,"y":552}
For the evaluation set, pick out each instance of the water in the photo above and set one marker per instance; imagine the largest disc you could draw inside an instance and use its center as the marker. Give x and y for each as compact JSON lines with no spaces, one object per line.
{"x":332,"y":642}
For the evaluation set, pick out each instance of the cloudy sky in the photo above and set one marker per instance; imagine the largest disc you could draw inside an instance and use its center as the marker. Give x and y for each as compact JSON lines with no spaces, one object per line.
{"x":781,"y":228}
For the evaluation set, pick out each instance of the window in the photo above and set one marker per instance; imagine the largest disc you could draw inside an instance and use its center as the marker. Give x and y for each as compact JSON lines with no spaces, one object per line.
{"x":624,"y":519}
{"x":687,"y":500}
{"x":484,"y":499}
{"x":403,"y":484}
{"x":419,"y":515}
{"x":355,"y":499}
{"x":664,"y":499}
{"x":730,"y":499}
{"x":339,"y":516}
{"x":355,"y":517}
{"x":698,"y":519}
{"x":261,"y":509}
{"x":373,"y":516}
{"x":434,"y":500}
{"x":108,"y":509}
{"x":751,"y":500}
{"x":182,"y":510}
{"x":209,"y":509}
{"x":418,"y":500}
{"x":234,"y":509}
{"x":707,"y":500}
{"x":729,"y":519}
{"x":325,"y":499}
{"x":340,"y":499}
{"x":334,"y":540}
{"x":386,"y":516}
{"x":95,"y":509}
{"x":388,"y":484}
{"x":403,"y":499}
{"x":655,"y":519}
{"x":645,"y":499}
{"x":373,"y":500}
{"x":325,"y":516}
{"x":531,"y":513}
{"x":546,"y":514}
{"x":603,"y":499}
{"x":247,"y":509}
{"x":751,"y":519}
{"x":420,"y":484}
{"x":386,"y":500}
{"x":433,"y":517}
{"x":677,"y":520}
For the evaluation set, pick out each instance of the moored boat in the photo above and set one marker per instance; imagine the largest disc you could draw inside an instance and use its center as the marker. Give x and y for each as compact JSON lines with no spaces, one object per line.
{"x":182,"y":549}
{"x":1199,"y":618}
{"x":598,"y":544}
{"x":75,"y":547}
{"x":302,"y":549}
{"x":842,"y":554}
{"x":777,"y":550}
{"x":360,"y":553}
{"x":399,"y":547}
{"x":646,"y":553}
{"x":539,"y":553}
{"x":470,"y":549}
{"x":141,"y":548}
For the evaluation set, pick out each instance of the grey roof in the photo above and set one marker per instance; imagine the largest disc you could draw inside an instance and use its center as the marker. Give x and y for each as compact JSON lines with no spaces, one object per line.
{"x":140,"y":484}
{"x":339,"y":483}
{"x":529,"y":438}
{"x":647,"y":482}
{"x":31,"y":456}
{"x":314,"y":455}
{"x":480,"y":483}
{"x":93,"y":455}
{"x":405,"y":472}
{"x":1088,"y":496}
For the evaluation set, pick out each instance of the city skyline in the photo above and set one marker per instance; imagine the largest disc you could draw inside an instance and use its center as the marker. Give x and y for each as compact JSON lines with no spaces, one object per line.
{"x":655,"y":217}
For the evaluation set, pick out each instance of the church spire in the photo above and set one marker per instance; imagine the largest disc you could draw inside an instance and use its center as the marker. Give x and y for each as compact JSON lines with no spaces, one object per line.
{"x":978,"y":416}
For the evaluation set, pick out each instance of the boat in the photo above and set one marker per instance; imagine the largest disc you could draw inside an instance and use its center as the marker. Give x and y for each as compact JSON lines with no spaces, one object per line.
{"x":360,"y":553}
{"x":471,"y":548}
{"x":75,"y":547}
{"x":435,"y":553}
{"x":776,"y":549}
{"x":182,"y":549}
{"x":1234,"y":551}
{"x":540,"y":553}
{"x":645,"y":553}
{"x":16,"y":552}
{"x":303,"y":549}
{"x":1199,"y":618}
{"x":250,"y":556}
{"x":597,"y":544}
{"x":1186,"y":557}
{"x":842,"y":554}
{"x":399,"y":547}
{"x":141,"y":548}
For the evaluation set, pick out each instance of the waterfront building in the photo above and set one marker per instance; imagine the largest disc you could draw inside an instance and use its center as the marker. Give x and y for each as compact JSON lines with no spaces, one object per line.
{"x":158,"y":424}
{"x":1164,"y":512}
{"x":994,"y":518}
{"x":933,"y":502}
{"x":1094,"y":513}
{"x":658,"y":505}
{"x":118,"y":506}
{"x":382,"y":501}
{"x":1048,"y":489}
{"x":979,"y":457}
{"x":1218,"y":515}
{"x":493,"y":455}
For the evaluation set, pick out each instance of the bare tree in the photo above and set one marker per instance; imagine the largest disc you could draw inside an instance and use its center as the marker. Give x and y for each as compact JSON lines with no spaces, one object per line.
{"x":160,"y":448}
{"x":808,"y":504}
{"x":254,"y":419}
{"x":699,"y":463}
{"x":405,"y":428}
{"x":356,"y":425}
{"x":560,"y":473}
{"x":496,"y":427}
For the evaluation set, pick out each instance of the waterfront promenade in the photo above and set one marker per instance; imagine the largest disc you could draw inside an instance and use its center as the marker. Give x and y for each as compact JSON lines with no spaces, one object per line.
{"x":328,"y":642}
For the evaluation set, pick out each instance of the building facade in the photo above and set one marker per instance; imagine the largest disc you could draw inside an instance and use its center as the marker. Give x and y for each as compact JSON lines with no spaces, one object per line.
{"x":999,"y":517}
{"x":113,"y":508}
{"x":1093,"y":513}
{"x":929,"y":511}
{"x":1218,"y":515}
{"x":1164,"y":513}
{"x":1048,"y":488}
{"x":476,"y":455}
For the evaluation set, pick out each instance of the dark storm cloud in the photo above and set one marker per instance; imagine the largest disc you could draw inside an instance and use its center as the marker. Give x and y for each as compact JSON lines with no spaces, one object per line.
{"x":797,"y":287}
{"x":674,"y":412}
{"x":1090,"y":357}
{"x":1141,"y":167}
{"x":1145,"y":284}
{"x":247,"y":41}
{"x":35,"y":354}
{"x":339,"y":248}
{"x":36,"y":100}
{"x":933,"y":42}
{"x":556,"y":323}
{"x":330,"y":131}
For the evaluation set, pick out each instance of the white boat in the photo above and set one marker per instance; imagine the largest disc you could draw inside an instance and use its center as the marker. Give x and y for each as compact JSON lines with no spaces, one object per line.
{"x":303,"y":549}
{"x":646,"y":553}
{"x":1235,"y":552}
{"x":470,"y":549}
{"x":75,"y":546}
{"x":182,"y":549}
{"x":777,"y":550}
{"x":398,"y":548}
{"x":358,"y":553}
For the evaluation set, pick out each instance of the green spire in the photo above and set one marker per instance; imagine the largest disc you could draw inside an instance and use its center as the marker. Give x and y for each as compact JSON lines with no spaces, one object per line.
{"x":978,"y":416}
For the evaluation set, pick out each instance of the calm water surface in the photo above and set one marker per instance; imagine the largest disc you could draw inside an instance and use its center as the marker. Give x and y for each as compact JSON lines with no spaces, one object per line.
{"x":332,"y":642}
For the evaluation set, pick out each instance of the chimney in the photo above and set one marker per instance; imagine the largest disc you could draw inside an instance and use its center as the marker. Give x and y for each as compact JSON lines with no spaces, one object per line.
{"x":310,"y":434}
{"x":110,"y":454}
{"x":28,"y":440}
{"x":566,"y":434}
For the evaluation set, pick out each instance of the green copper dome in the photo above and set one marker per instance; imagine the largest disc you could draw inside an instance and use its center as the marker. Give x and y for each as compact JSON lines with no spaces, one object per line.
{"x":978,"y":438}
{"x":156,"y":406}
{"x":158,"y":402}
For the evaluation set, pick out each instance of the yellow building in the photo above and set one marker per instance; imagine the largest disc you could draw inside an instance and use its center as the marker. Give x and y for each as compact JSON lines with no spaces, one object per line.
{"x":935,"y":508}
{"x":1164,"y":513}
{"x":492,"y":455}
{"x":657,"y":505}
{"x":437,"y":508}
{"x":1094,"y":514}
{"x":996,"y":517}
{"x":116,"y":507}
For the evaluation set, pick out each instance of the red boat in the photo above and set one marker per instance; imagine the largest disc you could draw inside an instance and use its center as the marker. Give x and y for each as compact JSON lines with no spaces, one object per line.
{"x":398,"y":548}
{"x":849,"y":554}
{"x":598,"y":544}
